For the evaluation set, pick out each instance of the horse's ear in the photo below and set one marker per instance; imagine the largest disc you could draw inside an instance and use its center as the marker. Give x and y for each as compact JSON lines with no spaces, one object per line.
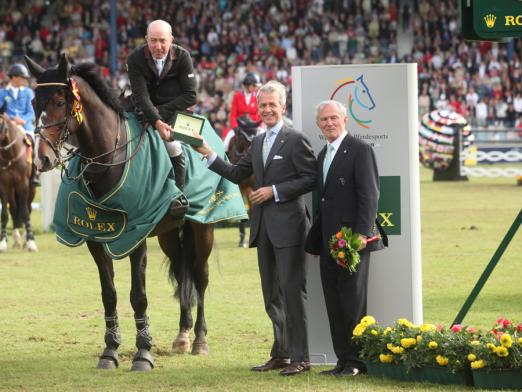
{"x":35,"y":69}
{"x":63,"y":67}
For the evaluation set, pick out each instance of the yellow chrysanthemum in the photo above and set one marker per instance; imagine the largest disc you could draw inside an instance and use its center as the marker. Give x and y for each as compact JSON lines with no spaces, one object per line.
{"x":502,"y":351}
{"x":419,"y":339}
{"x":506,"y":340}
{"x":408,"y":342}
{"x":359,"y":330}
{"x":368,"y":320}
{"x":472,"y":357}
{"x":475,"y":343}
{"x":386,"y":358}
{"x":387,"y":330}
{"x":478,"y":364}
{"x":442,"y":361}
{"x":427,"y":327}
{"x":520,"y":341}
{"x":405,"y":323}
{"x":374,"y":332}
{"x":433,"y":345}
{"x":491,"y":346}
{"x":340,"y":255}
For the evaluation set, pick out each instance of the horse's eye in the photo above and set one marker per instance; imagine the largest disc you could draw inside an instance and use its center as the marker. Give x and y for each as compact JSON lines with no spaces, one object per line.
{"x":60,"y":104}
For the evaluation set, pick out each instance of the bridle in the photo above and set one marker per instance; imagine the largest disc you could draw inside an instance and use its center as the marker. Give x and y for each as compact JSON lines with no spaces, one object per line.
{"x":65,"y":133}
{"x":248,"y":137}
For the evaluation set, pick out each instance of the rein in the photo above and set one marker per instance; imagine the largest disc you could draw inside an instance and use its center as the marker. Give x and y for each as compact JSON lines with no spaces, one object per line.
{"x":7,"y":147}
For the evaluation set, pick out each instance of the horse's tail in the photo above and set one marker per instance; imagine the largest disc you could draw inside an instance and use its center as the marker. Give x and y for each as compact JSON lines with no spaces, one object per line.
{"x":182,"y":271}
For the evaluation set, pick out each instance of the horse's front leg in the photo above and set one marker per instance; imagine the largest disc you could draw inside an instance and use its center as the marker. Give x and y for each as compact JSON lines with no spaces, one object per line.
{"x":143,"y":360}
{"x":109,"y":358}
{"x":204,"y":235}
{"x":5,"y":218}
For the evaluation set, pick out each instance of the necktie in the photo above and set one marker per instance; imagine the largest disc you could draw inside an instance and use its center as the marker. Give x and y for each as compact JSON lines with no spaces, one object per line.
{"x":266,"y":145}
{"x":159,"y":66}
{"x":327,"y":161}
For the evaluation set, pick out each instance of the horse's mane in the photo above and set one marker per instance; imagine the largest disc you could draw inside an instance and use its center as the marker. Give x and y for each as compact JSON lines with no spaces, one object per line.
{"x":89,"y":72}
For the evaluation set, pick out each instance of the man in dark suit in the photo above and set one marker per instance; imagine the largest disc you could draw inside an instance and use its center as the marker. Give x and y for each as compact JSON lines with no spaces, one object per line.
{"x":348,"y":185}
{"x":162,"y":81}
{"x":284,"y":168}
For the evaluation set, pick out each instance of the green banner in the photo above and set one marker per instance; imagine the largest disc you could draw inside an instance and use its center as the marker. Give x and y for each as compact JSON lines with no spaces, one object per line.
{"x":389,"y":210}
{"x":498,"y":18}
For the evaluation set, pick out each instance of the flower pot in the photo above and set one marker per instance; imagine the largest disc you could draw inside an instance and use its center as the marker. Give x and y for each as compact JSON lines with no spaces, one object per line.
{"x":396,"y":371}
{"x":442,"y":375}
{"x":498,"y":378}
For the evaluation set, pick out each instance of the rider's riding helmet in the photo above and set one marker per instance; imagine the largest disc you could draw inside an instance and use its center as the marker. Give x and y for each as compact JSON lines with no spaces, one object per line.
{"x":251,"y":79}
{"x":18,"y":70}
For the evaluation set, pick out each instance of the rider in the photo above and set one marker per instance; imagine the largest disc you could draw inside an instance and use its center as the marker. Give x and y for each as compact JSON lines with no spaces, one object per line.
{"x":162,"y":81}
{"x":15,"y":100}
{"x":243,"y":102}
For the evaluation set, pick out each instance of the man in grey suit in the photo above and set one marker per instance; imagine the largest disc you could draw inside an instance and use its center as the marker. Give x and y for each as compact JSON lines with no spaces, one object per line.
{"x":348,"y":185}
{"x":284,"y":168}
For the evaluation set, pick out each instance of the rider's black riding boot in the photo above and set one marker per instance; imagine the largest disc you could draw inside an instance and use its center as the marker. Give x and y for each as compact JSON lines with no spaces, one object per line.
{"x":179,"y":207}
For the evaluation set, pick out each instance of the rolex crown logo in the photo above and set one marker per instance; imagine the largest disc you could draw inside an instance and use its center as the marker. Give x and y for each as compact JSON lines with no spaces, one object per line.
{"x":490,"y":20}
{"x":91,"y":213}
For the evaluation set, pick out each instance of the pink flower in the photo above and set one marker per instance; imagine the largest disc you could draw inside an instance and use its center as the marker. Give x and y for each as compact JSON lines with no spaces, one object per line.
{"x":456,"y":328}
{"x":471,"y":329}
{"x":439,"y":327}
{"x":341,"y":243}
{"x":519,"y":327}
{"x":504,"y":322}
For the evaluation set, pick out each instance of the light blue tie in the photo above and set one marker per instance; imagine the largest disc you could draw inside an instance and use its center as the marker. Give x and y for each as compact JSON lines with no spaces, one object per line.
{"x":327,"y":161}
{"x":266,"y":145}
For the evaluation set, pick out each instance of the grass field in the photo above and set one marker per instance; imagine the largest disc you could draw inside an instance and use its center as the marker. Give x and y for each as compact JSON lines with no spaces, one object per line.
{"x":52,"y":317}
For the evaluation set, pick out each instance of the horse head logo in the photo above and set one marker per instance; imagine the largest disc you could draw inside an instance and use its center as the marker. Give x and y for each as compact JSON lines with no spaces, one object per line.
{"x":359,"y":98}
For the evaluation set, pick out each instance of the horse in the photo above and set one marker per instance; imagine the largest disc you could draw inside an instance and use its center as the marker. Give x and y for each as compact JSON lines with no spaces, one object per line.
{"x":16,"y":190}
{"x":239,"y":145}
{"x":78,"y":104}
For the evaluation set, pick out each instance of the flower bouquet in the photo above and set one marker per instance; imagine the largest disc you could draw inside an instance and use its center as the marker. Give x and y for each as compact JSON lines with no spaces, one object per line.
{"x":344,"y":246}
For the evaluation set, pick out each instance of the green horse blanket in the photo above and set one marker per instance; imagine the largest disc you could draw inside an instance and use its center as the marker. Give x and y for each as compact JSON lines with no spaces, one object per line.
{"x":124,"y":217}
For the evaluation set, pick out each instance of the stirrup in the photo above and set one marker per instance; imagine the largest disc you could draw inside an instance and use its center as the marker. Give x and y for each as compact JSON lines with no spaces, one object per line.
{"x":179,"y":207}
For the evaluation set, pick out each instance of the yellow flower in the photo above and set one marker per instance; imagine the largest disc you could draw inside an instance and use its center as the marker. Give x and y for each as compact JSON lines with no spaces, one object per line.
{"x":405,"y":323}
{"x":491,"y":346}
{"x":520,"y":341}
{"x":387,"y":330}
{"x":427,"y":327}
{"x":433,"y":345}
{"x":506,"y":340}
{"x":472,"y":357}
{"x":368,"y":320}
{"x":478,"y":364}
{"x":359,"y":330}
{"x":386,"y":358}
{"x":502,"y":351}
{"x":374,"y":332}
{"x":408,"y":342}
{"x":419,"y":339}
{"x":442,"y":361}
{"x":340,"y":255}
{"x":475,"y":343}
{"x":394,"y":349}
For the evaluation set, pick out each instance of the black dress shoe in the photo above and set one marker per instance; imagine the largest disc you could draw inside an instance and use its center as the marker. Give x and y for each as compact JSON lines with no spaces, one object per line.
{"x":273,"y":363}
{"x":349,"y":371}
{"x":332,"y":372}
{"x":295,"y":368}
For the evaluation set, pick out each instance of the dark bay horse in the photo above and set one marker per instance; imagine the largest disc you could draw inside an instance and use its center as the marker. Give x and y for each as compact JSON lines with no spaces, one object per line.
{"x":99,"y":138}
{"x":239,"y":145}
{"x":16,"y":191}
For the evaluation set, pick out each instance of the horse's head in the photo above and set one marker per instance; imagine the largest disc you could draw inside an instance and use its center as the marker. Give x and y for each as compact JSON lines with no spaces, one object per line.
{"x":363,"y":95}
{"x":53,"y":105}
{"x":246,"y":130}
{"x":4,"y":124}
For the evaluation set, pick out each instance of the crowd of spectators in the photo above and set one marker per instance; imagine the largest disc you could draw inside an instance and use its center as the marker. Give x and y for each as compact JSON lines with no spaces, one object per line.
{"x":228,"y":38}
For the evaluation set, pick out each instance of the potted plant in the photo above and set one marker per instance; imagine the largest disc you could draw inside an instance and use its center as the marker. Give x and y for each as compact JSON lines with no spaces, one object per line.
{"x":496,"y":357}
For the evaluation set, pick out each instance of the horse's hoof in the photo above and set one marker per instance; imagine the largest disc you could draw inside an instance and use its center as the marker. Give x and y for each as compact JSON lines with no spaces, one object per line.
{"x":108,"y":360}
{"x":182,"y":344}
{"x":106,"y":364}
{"x":3,"y":245}
{"x":31,"y":246}
{"x":143,"y":361}
{"x":200,"y":348}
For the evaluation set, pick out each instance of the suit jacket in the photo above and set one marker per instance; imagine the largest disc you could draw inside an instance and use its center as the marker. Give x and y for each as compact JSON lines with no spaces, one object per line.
{"x":349,"y":196}
{"x":160,"y":97}
{"x":291,"y":166}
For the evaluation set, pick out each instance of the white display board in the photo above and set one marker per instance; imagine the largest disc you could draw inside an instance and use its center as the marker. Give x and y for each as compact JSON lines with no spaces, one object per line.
{"x":382,"y":109}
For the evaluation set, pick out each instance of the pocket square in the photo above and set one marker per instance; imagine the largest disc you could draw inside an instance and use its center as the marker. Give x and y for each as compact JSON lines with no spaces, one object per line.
{"x":277,"y":157}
